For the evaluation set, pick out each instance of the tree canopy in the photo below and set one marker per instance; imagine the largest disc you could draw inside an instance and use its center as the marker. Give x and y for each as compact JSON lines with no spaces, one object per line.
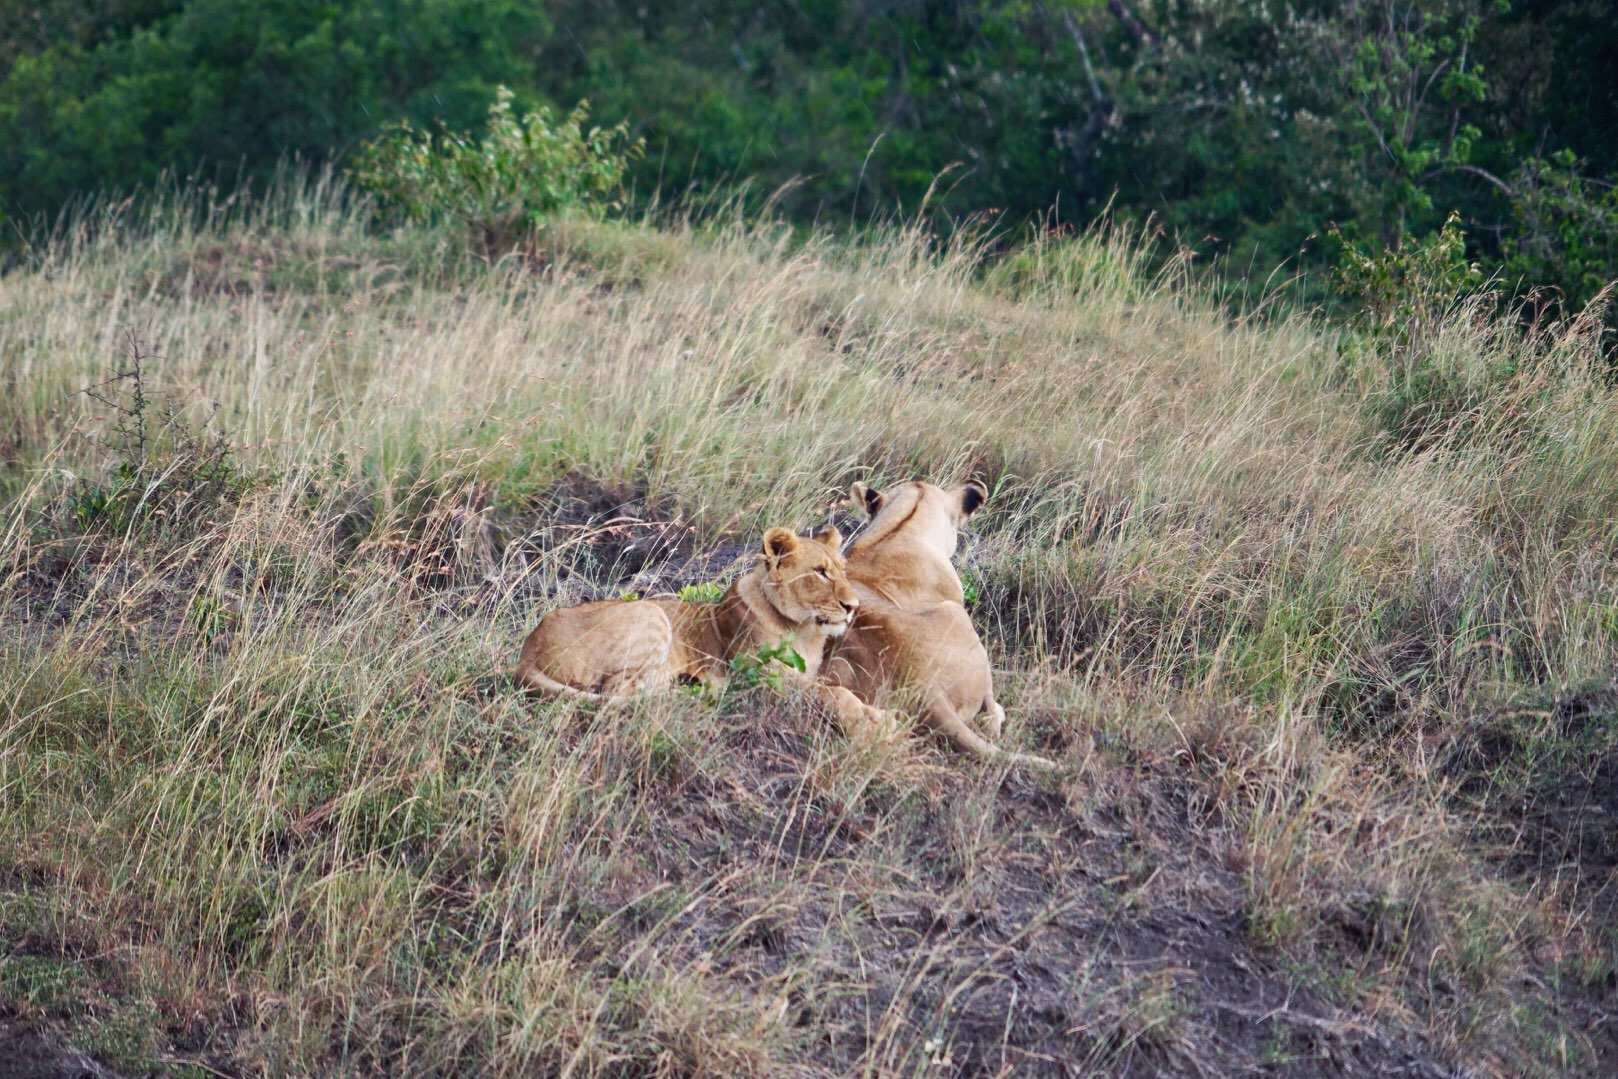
{"x":1247,"y":127}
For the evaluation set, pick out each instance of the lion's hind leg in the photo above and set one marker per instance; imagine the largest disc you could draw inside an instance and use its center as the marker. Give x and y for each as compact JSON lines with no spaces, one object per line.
{"x":537,"y":681}
{"x":599,"y":650}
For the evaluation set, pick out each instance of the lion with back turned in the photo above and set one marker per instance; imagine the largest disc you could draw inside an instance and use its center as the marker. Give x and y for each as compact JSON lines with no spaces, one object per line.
{"x":911,"y":633}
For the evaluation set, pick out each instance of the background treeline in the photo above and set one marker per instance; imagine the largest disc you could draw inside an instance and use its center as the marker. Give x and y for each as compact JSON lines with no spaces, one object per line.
{"x":1248,"y":128}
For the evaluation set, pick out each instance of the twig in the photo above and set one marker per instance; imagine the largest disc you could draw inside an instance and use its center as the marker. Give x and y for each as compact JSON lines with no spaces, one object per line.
{"x":1084,"y":54}
{"x":1137,"y":29}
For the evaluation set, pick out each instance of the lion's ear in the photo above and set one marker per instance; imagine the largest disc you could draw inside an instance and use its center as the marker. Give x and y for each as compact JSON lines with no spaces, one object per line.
{"x":973,"y":494}
{"x":778,"y":543}
{"x":830,"y":537}
{"x":867,"y":498}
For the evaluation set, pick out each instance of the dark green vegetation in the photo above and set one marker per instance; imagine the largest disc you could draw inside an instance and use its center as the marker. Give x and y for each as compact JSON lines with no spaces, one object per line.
{"x":1247,"y":129}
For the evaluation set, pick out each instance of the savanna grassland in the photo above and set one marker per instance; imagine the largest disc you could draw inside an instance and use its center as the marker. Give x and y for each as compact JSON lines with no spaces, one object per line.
{"x":1320,"y":622}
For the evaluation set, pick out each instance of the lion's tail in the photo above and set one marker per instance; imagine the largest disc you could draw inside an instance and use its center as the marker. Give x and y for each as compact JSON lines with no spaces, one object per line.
{"x":943,"y":719}
{"x":538,"y":681}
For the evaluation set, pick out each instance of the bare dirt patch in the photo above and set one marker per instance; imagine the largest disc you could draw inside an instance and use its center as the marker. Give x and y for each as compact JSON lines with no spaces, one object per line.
{"x":980,"y":927}
{"x":35,"y":1051}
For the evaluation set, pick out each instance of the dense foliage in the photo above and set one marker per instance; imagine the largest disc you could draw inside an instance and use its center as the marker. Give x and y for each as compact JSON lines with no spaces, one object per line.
{"x":1247,"y":128}
{"x":108,"y":95}
{"x":517,"y":174}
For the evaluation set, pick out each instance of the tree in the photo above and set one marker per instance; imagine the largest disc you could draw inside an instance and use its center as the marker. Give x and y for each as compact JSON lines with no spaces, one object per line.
{"x":222,"y":86}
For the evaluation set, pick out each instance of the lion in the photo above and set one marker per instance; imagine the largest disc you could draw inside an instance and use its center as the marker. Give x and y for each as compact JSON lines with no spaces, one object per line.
{"x":911,"y":630}
{"x":796,"y":593}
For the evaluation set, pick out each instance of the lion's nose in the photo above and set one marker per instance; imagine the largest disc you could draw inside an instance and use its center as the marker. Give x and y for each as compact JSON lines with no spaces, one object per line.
{"x":850,"y":604}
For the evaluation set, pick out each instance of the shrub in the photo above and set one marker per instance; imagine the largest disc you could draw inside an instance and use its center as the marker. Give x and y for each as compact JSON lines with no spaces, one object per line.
{"x":109,"y":97}
{"x":1414,"y":297}
{"x":1566,"y":235}
{"x":166,"y":474}
{"x":1405,"y":288}
{"x":521,"y":171}
{"x":702,"y":592}
{"x":751,"y":672}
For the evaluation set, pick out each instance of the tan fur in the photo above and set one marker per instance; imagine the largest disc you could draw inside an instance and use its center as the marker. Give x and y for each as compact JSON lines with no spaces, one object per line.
{"x":911,"y":631}
{"x":903,"y":554}
{"x":796,"y":593}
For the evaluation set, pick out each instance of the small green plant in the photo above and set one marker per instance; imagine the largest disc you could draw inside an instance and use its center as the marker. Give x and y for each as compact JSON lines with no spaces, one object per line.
{"x":125,"y":1037}
{"x":210,"y":617}
{"x":166,"y":468}
{"x":92,"y":504}
{"x":1404,"y":289}
{"x":1271,"y":924}
{"x":522,"y":170}
{"x":662,"y":754}
{"x":629,"y":596}
{"x":971,"y":587}
{"x":756,"y":670}
{"x":1478,"y":943}
{"x":1411,"y":295}
{"x":37,"y":980}
{"x":1276,"y":1054}
{"x":702,"y":592}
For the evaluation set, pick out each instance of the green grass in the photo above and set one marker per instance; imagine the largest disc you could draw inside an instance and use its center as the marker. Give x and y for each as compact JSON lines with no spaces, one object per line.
{"x":38,"y":981}
{"x":256,"y":755}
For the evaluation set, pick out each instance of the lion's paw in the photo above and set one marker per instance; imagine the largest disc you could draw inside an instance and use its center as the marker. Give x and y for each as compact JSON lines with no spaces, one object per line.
{"x":993,"y":721}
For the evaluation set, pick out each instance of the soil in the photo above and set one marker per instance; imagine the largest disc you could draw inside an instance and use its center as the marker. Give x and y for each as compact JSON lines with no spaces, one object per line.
{"x":34,"y":1051}
{"x":1097,"y":927}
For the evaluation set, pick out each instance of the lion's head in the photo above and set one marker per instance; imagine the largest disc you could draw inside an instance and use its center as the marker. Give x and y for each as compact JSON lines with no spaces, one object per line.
{"x":806,"y":580}
{"x":922,"y":512}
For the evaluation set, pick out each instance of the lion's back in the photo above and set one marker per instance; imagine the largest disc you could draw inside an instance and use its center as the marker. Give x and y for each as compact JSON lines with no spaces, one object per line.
{"x":601,"y":646}
{"x":931,"y":646}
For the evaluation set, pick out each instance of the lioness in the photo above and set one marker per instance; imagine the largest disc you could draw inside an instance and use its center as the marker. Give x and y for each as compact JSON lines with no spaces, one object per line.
{"x":911,"y":630}
{"x":796,"y":593}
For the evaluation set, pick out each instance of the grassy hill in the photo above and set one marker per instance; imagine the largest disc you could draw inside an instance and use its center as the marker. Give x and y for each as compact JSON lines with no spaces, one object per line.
{"x":1322,"y":626}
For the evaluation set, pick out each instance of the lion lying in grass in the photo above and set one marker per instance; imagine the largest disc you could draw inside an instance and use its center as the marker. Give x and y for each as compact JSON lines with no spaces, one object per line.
{"x":911,"y":630}
{"x":797,"y":594}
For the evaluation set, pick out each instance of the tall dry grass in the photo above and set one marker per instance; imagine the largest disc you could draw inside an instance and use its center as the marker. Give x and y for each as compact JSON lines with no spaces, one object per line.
{"x":249,"y":747}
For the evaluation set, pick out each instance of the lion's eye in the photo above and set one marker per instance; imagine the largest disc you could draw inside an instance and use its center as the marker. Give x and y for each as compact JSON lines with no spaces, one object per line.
{"x":823,"y":573}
